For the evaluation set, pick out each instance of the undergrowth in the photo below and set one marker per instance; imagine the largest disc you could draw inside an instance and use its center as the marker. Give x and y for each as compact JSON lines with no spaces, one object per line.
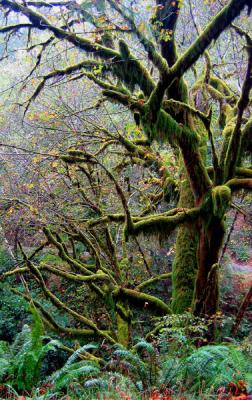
{"x":171,"y":366}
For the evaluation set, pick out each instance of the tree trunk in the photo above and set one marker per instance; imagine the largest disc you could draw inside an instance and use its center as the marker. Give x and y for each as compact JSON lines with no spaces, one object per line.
{"x":241,"y":312}
{"x":185,"y":264}
{"x":123,"y":316}
{"x":206,"y":298}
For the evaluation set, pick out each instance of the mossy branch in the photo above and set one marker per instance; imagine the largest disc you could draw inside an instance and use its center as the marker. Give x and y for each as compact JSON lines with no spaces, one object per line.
{"x":15,"y":27}
{"x":234,"y":147}
{"x":60,"y":73}
{"x":105,"y":85}
{"x":164,"y":224}
{"x":71,"y":261}
{"x":213,"y":30}
{"x":53,"y":324}
{"x":60,"y":304}
{"x":126,"y":100}
{"x":143,"y":299}
{"x":246,"y":139}
{"x":153,"y":280}
{"x":148,"y":45}
{"x":134,"y":74}
{"x":59,"y":272}
{"x":242,"y":172}
{"x":238,"y":184}
{"x":175,"y":107}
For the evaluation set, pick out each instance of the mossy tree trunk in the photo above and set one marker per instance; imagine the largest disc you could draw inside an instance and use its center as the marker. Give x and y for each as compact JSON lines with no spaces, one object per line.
{"x":123,"y":317}
{"x":212,"y":231}
{"x":185,"y":265}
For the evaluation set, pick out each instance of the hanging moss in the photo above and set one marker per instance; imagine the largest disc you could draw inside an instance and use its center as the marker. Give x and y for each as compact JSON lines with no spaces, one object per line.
{"x":131,"y":71}
{"x":170,"y":190}
{"x":221,"y":197}
{"x":162,"y":224}
{"x":220,"y":85}
{"x":163,"y":127}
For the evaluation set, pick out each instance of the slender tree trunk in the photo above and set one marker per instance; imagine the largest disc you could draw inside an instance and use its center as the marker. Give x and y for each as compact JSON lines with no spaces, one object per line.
{"x":244,"y":305}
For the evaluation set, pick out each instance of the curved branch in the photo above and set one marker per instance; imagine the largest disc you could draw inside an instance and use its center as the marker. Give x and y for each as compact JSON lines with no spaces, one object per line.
{"x":153,"y":55}
{"x":16,"y":27}
{"x":143,"y":299}
{"x":117,"y":60}
{"x":71,"y":261}
{"x":237,"y":184}
{"x":155,"y":279}
{"x":58,"y":73}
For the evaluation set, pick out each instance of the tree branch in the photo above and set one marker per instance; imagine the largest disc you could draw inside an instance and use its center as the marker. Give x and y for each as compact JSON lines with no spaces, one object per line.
{"x":237,"y":184}
{"x":213,"y":30}
{"x":155,"y":279}
{"x":143,"y":299}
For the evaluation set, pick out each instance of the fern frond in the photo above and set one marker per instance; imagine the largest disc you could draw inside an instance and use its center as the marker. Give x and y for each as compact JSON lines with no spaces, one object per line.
{"x":96,"y":383}
{"x":146,"y":346}
{"x":78,"y":352}
{"x":73,"y":374}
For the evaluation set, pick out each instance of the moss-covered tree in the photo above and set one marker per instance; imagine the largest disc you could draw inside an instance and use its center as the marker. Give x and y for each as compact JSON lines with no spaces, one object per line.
{"x":155,"y":91}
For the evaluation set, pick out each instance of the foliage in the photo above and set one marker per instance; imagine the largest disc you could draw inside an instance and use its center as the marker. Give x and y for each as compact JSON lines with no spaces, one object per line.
{"x":241,"y":250}
{"x":13,"y":313}
{"x":21,"y":361}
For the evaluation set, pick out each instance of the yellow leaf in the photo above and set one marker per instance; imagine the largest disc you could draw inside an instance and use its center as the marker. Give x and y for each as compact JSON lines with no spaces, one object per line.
{"x":142,"y":27}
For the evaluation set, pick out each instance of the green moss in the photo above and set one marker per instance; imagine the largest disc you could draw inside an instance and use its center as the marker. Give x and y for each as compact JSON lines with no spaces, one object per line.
{"x":178,"y":90}
{"x":170,"y":190}
{"x":220,"y":85}
{"x":123,"y":317}
{"x":164,"y":128}
{"x":221,"y":198}
{"x":131,"y":71}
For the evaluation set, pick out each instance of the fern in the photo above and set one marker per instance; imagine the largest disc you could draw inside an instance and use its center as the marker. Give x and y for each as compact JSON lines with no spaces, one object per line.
{"x":73,"y":370}
{"x":74,"y":374}
{"x":142,"y":345}
{"x":98,"y":382}
{"x":78,"y":352}
{"x":21,"y":362}
{"x":214,"y":366}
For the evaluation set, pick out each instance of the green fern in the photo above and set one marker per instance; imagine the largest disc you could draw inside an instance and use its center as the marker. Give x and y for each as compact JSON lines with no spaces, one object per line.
{"x":21,"y":362}
{"x":74,"y":371}
{"x":212,"y":366}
